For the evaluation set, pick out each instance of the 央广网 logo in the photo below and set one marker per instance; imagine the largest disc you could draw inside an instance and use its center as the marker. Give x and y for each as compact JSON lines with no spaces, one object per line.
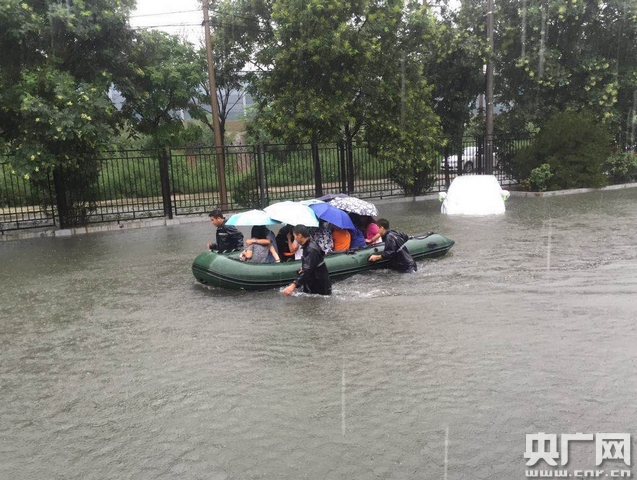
{"x":545,"y":446}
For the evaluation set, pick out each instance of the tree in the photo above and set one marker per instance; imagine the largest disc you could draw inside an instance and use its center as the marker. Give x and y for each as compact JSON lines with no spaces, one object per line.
{"x":58,"y":61}
{"x":556,"y":55}
{"x":163,"y":78}
{"x":456,"y":53}
{"x":310,"y":70}
{"x":237,"y":31}
{"x":335,"y":69}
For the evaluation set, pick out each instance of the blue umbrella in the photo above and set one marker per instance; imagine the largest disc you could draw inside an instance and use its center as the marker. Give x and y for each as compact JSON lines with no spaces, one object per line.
{"x":251,"y":218}
{"x":331,"y":214}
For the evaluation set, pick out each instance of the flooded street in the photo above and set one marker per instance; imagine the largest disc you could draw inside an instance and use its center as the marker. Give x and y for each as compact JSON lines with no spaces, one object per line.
{"x":117,"y":364}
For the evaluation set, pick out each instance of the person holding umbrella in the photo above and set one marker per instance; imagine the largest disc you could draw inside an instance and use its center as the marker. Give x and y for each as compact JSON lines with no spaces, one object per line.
{"x":395,"y":249}
{"x":313,"y":276}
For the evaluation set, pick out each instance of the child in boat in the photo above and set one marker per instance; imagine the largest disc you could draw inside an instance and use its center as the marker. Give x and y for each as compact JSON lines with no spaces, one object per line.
{"x":295,"y":247}
{"x":268,"y":241}
{"x":342,"y":239}
{"x":372,"y":234}
{"x":256,"y":252}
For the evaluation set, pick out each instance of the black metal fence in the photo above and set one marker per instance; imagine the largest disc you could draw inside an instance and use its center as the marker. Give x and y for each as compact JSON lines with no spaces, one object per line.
{"x":22,"y":204}
{"x":142,"y":184}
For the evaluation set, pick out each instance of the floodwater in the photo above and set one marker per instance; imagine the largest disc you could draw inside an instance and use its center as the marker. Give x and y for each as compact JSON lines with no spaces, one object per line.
{"x":116,"y":364}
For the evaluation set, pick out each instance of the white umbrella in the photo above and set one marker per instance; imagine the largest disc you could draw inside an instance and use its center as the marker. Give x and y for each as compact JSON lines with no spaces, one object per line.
{"x":251,"y":218}
{"x":292,"y":213}
{"x":355,"y":205}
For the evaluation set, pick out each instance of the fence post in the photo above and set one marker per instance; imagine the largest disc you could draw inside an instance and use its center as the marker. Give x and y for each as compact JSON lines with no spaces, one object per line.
{"x":61,"y":197}
{"x":480,"y":144}
{"x":350,"y":167}
{"x":51,"y":196}
{"x":446,"y":164}
{"x":343,"y":170}
{"x":260,"y":154}
{"x":164,"y":159}
{"x":318,"y":177}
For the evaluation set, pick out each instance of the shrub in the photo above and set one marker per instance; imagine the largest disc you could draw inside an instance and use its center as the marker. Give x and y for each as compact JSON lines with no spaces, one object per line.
{"x":539,"y":178}
{"x":574,"y":145}
{"x":246,"y":193}
{"x":621,"y":167}
{"x":414,"y":176}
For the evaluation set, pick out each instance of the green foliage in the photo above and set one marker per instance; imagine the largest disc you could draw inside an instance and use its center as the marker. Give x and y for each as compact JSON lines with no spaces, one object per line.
{"x":409,"y":143}
{"x":621,"y":167}
{"x":539,"y":178}
{"x":574,"y":145}
{"x":163,"y":78}
{"x":246,"y":193}
{"x":414,"y":176}
{"x":15,"y":191}
{"x":58,"y":61}
{"x":335,"y":68}
{"x":562,"y":54}
{"x":239,"y":29}
{"x":454,"y":56}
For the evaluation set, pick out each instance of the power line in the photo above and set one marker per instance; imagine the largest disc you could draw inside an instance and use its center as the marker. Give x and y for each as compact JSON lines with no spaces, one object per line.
{"x":166,"y":13}
{"x":142,"y":27}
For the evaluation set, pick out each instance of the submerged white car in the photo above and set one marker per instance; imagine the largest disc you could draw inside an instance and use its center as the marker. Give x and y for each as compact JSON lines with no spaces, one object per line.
{"x":474,"y":195}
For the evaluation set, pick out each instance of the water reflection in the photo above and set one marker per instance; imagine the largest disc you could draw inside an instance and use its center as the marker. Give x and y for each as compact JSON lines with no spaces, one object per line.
{"x":117,"y":364}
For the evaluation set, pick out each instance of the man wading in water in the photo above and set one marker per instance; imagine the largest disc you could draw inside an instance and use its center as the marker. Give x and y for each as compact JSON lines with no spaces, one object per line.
{"x":395,"y":250}
{"x":313,"y":276}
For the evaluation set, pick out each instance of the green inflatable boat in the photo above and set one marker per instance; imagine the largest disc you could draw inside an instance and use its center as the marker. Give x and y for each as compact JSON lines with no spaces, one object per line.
{"x":225,"y":270}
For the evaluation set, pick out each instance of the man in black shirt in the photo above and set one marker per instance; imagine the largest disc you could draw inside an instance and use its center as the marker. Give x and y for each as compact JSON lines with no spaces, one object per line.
{"x":313,"y":276}
{"x":395,"y":249}
{"x":228,"y":237}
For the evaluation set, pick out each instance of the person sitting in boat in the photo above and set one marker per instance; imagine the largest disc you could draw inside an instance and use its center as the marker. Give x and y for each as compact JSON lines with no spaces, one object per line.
{"x":372,"y":234}
{"x":395,"y":249}
{"x":228,"y":237}
{"x":313,"y":275}
{"x":272,"y":239}
{"x":358,"y":237}
{"x":282,"y":243}
{"x":322,"y":235}
{"x":342,"y":239}
{"x":294,"y":246}
{"x":267,"y":241}
{"x":258,"y":252}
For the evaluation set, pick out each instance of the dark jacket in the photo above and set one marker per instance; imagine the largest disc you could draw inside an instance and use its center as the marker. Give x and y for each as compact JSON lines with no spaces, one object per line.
{"x":314,"y":277}
{"x":282,"y":245}
{"x":228,"y":239}
{"x":397,"y":254}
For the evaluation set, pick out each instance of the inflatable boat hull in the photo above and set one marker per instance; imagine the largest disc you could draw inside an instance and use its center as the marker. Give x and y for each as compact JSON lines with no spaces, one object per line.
{"x":227,"y":271}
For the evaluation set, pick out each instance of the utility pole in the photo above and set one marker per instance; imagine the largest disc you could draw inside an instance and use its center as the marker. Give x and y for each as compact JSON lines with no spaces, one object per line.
{"x":221,"y":160}
{"x":488,"y":167}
